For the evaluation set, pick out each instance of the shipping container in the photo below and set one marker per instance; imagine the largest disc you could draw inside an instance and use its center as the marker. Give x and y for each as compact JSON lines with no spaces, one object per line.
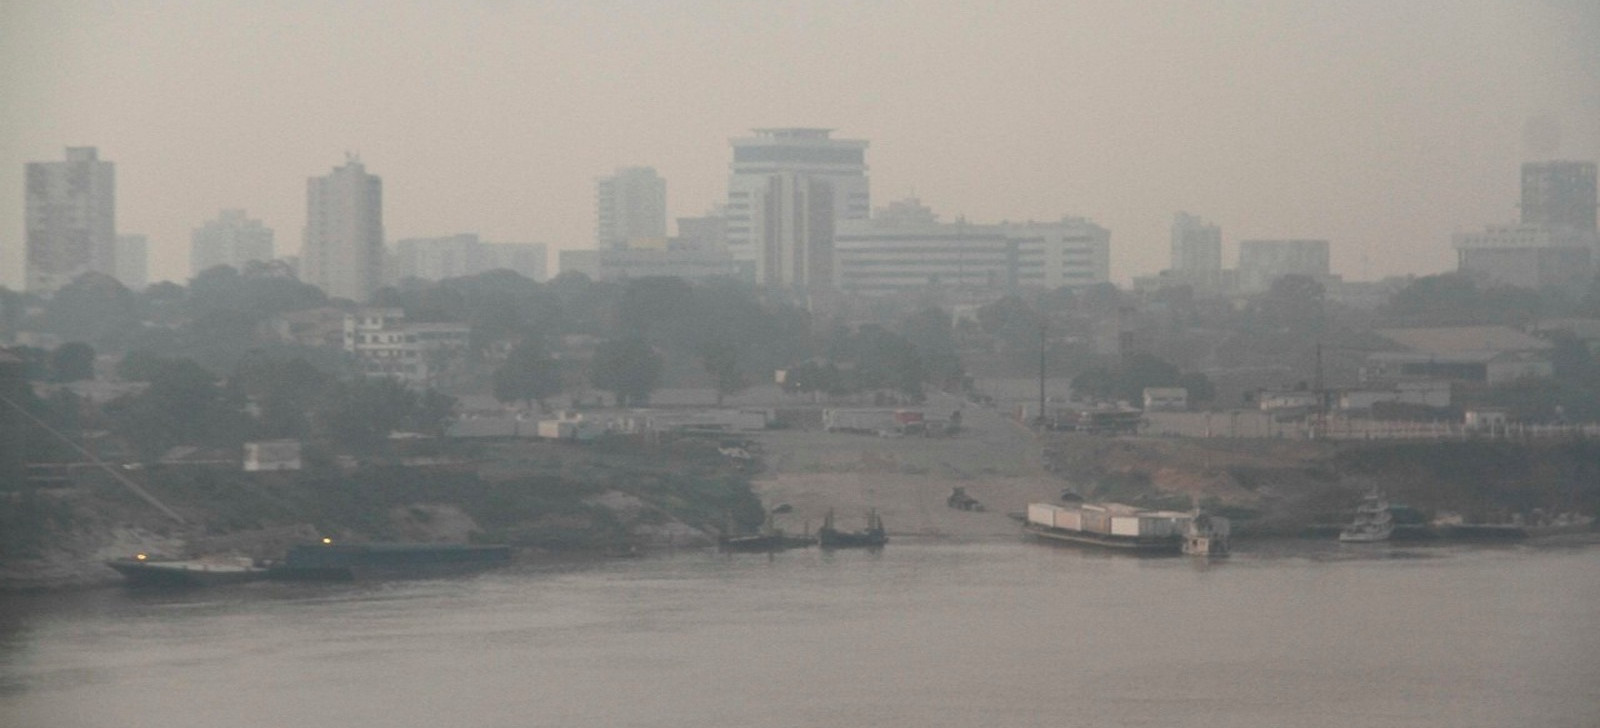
{"x":1070,"y":519}
{"x":1125,"y":526}
{"x":1042,"y":514}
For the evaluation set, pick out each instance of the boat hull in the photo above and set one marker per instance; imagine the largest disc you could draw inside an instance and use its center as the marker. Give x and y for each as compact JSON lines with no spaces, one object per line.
{"x":763,"y":544}
{"x":831,"y":539}
{"x":386,"y":561}
{"x":142,"y":573}
{"x":1163,"y":545}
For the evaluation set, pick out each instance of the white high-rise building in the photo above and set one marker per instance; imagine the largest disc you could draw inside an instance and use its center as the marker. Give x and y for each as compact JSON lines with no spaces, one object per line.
{"x":232,"y":239}
{"x":70,"y":219}
{"x":787,"y":189}
{"x":630,"y":205}
{"x":133,"y":261}
{"x":343,"y":253}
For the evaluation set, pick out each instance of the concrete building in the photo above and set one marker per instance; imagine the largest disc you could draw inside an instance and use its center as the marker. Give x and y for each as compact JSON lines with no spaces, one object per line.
{"x":435,"y":259}
{"x":631,"y":203}
{"x":708,"y":232}
{"x":70,"y":219}
{"x":616,"y":265}
{"x":454,"y":256}
{"x":904,"y":247}
{"x":133,"y":261}
{"x":232,"y":239}
{"x":1527,"y":255}
{"x":786,"y":190}
{"x":1261,"y":262}
{"x":1480,"y":354}
{"x":531,"y":260}
{"x":1196,"y":244}
{"x":1559,"y":194}
{"x":1071,"y":252}
{"x":389,"y":346}
{"x":343,"y":253}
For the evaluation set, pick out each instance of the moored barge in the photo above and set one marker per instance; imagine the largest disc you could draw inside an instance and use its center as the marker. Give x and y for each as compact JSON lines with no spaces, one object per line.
{"x":1109,"y":525}
{"x":328,"y":561}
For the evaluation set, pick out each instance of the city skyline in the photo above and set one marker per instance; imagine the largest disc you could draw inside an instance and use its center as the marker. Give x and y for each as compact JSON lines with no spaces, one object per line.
{"x":1288,"y":121}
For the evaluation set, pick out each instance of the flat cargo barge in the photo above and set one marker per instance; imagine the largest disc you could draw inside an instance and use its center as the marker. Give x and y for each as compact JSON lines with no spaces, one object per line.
{"x":1151,"y":545}
{"x":1110,"y":526}
{"x":346,"y":562}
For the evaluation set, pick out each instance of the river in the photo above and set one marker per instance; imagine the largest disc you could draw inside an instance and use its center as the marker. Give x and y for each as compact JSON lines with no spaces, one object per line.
{"x":931,"y":633}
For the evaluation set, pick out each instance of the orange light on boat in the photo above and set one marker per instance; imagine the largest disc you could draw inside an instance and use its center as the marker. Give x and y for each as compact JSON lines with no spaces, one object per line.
{"x":141,"y":557}
{"x":327,"y":540}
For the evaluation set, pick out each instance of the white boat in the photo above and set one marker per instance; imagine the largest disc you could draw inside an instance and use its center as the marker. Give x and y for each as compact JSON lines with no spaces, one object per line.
{"x":1372,"y":523}
{"x":1205,"y":535}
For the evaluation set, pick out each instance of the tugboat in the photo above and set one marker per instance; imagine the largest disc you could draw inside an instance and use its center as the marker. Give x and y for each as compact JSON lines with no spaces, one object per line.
{"x":1372,"y":523}
{"x":1205,"y":535}
{"x":829,"y":537}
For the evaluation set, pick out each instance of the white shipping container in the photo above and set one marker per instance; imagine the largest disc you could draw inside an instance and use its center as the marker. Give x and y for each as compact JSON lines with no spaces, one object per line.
{"x":1070,"y":519}
{"x":1125,"y":525}
{"x":1042,"y":514}
{"x":556,"y":429}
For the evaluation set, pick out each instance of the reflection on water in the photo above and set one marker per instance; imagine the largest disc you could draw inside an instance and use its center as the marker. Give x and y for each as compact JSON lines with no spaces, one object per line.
{"x":920,"y":634}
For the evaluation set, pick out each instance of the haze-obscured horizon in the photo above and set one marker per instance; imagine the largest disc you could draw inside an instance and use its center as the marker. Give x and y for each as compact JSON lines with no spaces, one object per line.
{"x":1382,"y":127}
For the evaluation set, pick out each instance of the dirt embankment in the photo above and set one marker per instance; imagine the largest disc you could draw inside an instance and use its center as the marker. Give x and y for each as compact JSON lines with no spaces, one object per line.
{"x":1269,"y":486}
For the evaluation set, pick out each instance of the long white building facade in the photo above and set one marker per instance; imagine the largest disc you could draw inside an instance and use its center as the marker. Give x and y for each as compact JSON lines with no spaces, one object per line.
{"x":904,"y":247}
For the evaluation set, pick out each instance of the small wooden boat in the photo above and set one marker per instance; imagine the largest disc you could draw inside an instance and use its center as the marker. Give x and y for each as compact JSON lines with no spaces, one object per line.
{"x":874,"y":536}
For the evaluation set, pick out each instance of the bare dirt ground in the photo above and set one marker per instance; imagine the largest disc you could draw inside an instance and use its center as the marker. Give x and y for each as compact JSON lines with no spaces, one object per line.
{"x":908,"y":479}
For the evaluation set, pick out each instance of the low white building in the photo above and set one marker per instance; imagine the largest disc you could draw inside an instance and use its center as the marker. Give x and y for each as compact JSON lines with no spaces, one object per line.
{"x":389,"y":346}
{"x":1530,"y":256}
{"x":1487,"y":354}
{"x":1422,"y":393}
{"x":1166,"y":399}
{"x":271,"y":455}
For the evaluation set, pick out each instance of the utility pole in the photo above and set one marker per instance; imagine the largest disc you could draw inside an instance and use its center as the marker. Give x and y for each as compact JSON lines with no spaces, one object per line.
{"x":1043,"y":325}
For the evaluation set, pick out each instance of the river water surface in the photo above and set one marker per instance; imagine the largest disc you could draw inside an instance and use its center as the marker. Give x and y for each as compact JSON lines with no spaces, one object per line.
{"x":993,"y":633}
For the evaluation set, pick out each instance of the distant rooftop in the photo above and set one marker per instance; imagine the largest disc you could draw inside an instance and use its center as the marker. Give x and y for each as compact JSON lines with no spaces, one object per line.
{"x":794,"y":132}
{"x":1464,"y":339}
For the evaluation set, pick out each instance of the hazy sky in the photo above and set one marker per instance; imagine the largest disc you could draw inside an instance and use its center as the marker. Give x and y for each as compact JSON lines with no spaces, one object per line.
{"x":1381,"y":125}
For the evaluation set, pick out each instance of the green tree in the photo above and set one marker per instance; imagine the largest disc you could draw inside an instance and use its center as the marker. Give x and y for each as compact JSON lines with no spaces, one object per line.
{"x":95,"y":308}
{"x":528,"y":375}
{"x":359,"y":414}
{"x":721,"y":361}
{"x":1129,"y":380}
{"x":72,"y":362}
{"x":1294,"y":303}
{"x":628,"y":368}
{"x":929,"y":330}
{"x":182,"y":406}
{"x":647,"y":303}
{"x":285,"y":391}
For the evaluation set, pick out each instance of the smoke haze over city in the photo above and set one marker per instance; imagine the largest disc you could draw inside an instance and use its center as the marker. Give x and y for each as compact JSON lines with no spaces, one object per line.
{"x":1381,"y":127}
